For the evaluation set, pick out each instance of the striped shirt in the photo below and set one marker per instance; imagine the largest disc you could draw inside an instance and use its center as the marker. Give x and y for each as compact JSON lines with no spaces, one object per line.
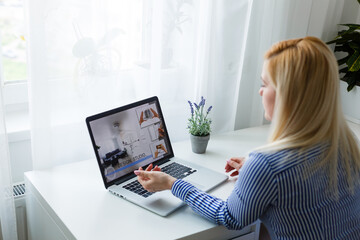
{"x":272,"y":187}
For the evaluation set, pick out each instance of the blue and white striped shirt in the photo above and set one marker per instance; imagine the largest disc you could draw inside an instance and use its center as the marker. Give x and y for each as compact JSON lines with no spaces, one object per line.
{"x":273,"y":187}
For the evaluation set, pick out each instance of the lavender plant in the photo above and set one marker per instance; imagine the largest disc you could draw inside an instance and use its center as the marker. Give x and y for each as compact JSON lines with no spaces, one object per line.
{"x":199,"y":122}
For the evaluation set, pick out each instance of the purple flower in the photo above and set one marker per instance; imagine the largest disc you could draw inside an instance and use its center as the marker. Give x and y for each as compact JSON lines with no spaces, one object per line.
{"x":199,"y":123}
{"x":191,"y":108}
{"x":197,"y":107}
{"x":202,"y":102}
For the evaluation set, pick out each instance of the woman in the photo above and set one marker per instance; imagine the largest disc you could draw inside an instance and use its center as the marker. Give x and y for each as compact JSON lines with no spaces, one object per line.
{"x":305,"y":183}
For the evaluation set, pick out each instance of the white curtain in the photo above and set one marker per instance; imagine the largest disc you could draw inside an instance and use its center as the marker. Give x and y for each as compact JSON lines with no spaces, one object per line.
{"x":7,"y":205}
{"x":87,"y":56}
{"x":271,"y":21}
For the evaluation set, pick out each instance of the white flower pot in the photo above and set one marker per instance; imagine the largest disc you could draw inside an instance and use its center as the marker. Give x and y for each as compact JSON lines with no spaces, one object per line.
{"x":350,"y":101}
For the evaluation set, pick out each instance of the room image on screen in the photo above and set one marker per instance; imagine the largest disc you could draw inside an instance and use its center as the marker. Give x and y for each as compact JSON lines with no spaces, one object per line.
{"x":129,"y":139}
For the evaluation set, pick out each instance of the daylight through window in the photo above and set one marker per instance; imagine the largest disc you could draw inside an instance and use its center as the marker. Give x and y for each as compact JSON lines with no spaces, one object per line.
{"x":13,"y":46}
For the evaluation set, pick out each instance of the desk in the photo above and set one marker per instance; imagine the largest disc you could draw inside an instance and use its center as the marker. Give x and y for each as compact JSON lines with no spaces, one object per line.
{"x":71,"y":202}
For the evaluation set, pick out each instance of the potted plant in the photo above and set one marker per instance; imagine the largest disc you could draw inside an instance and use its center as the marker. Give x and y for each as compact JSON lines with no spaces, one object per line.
{"x":199,"y":126}
{"x":347,"y":42}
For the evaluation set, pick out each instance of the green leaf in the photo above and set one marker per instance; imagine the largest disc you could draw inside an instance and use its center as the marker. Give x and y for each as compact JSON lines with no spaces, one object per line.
{"x":351,"y":25}
{"x":350,"y":34}
{"x":346,"y":77}
{"x":344,"y":48}
{"x":338,"y":41}
{"x":354,"y":62}
{"x":346,"y":36}
{"x":332,"y":41}
{"x":359,"y":1}
{"x":355,"y":46}
{"x":343,"y":70}
{"x":341,"y":32}
{"x":343,"y":60}
{"x":352,"y":80}
{"x":350,"y":87}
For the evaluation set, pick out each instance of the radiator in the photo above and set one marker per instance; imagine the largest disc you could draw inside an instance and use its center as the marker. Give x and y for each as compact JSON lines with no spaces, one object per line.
{"x":20,"y":206}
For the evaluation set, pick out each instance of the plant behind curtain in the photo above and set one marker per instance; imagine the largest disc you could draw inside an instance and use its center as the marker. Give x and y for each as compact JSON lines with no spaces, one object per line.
{"x":90,"y":56}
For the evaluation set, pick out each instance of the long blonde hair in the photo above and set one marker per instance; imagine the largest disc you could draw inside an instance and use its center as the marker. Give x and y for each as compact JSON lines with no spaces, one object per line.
{"x":304,"y":73}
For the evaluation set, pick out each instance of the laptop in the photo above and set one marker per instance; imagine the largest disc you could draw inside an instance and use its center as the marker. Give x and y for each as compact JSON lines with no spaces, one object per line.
{"x":134,"y":136}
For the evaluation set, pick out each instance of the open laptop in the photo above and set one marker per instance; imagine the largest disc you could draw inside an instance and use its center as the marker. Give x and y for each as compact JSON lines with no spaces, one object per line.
{"x":134,"y":136}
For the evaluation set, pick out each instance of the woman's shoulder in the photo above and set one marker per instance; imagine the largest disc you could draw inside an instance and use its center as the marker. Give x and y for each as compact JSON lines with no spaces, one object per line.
{"x":268,"y":159}
{"x":271,"y":156}
{"x":284,"y":159}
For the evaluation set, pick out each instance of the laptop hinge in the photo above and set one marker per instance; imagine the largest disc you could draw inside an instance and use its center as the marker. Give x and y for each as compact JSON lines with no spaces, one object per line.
{"x":161,"y":161}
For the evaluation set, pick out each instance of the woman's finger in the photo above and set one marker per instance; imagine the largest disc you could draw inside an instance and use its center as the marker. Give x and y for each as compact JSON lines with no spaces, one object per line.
{"x":156,"y":168}
{"x":236,"y":163}
{"x":228,"y":168}
{"x":237,"y":159}
{"x":149,"y":167}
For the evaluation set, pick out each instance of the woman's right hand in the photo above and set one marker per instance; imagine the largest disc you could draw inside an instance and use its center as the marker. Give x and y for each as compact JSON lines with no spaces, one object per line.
{"x":234,"y":164}
{"x":153,"y":180}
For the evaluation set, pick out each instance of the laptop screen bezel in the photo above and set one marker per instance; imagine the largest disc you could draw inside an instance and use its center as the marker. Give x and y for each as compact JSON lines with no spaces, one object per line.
{"x":95,"y":117}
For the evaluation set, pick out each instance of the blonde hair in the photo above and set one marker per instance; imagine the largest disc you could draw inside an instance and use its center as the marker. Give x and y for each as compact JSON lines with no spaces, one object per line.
{"x":304,"y":73}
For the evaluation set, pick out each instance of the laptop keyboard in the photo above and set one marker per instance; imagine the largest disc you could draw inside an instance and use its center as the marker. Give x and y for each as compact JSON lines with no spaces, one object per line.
{"x":174,"y":169}
{"x":136,"y":187}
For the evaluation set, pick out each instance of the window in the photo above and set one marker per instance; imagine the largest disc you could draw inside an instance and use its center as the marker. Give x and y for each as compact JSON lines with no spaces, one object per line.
{"x":13,"y":53}
{"x":12,"y":41}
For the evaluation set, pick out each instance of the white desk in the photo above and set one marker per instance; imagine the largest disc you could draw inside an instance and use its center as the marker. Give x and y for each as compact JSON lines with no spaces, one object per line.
{"x":71,"y":202}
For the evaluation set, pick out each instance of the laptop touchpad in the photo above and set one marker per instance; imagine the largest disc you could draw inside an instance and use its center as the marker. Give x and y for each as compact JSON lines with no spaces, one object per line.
{"x":164,"y":202}
{"x":199,"y":186}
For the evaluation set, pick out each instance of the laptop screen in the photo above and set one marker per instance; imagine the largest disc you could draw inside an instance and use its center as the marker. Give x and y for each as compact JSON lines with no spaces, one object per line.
{"x":128,"y":137}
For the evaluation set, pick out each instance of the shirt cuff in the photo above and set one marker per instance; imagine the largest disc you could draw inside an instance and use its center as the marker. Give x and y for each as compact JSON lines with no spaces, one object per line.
{"x":181,"y":188}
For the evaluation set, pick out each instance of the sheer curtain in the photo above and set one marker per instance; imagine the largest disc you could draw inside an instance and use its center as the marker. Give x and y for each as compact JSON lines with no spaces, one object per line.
{"x":88,"y":56}
{"x":269,"y":22}
{"x":7,"y":205}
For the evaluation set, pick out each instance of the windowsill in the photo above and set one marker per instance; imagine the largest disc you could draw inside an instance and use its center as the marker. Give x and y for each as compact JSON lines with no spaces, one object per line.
{"x":17,"y":125}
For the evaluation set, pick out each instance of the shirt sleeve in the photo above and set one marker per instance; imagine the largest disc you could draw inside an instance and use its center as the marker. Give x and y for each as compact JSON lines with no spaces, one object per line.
{"x":254,"y":191}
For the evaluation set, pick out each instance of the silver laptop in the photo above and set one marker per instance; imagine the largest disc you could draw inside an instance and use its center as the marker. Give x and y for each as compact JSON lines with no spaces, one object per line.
{"x":134,"y":136}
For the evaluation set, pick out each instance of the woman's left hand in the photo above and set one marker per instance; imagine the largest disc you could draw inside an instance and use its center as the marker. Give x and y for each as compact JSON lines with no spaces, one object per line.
{"x":234,"y":163}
